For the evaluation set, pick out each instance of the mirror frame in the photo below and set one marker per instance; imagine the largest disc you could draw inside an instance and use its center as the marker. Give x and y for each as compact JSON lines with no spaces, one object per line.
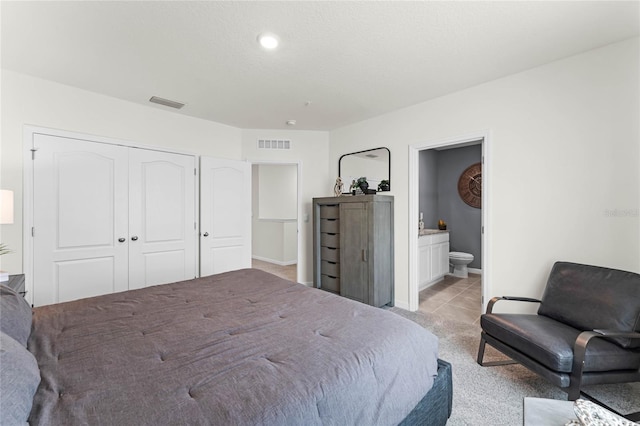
{"x":360,"y":152}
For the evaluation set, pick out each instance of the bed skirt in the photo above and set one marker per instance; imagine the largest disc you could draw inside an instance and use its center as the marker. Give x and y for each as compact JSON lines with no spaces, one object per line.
{"x":435,"y":408}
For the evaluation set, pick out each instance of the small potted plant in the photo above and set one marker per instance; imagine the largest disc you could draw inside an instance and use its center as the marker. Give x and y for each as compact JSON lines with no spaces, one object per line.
{"x":384,"y":185}
{"x":360,"y":186}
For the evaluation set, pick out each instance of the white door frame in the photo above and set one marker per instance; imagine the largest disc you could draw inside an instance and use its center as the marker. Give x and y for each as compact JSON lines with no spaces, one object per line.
{"x":27,"y":192}
{"x":414,"y":206}
{"x":299,"y":214}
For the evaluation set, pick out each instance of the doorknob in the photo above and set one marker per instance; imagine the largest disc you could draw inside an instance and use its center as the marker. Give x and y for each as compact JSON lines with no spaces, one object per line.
{"x":134,"y":238}
{"x":206,"y":234}
{"x":121,"y":240}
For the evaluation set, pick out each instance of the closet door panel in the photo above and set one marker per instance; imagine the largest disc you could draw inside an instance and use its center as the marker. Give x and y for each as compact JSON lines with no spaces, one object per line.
{"x":80,"y":213}
{"x":162,"y":234}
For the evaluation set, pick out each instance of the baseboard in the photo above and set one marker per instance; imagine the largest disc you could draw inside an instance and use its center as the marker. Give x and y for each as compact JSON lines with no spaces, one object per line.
{"x":475,"y":271}
{"x":277,"y":262}
{"x":401,"y":304}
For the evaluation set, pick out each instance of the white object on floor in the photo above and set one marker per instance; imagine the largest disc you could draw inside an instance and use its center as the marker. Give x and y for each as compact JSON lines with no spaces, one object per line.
{"x":460,"y":260}
{"x":547,"y":412}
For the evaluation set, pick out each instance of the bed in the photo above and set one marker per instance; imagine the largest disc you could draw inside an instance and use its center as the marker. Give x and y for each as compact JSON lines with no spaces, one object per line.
{"x":238,"y":348}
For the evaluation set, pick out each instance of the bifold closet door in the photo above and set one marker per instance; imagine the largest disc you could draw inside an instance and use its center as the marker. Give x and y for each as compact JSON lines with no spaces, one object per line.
{"x":162,"y":219}
{"x":225,"y":215}
{"x":109,"y":218}
{"x":80,"y":219}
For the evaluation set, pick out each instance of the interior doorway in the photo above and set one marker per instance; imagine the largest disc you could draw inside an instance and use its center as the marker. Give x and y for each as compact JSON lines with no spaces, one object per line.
{"x":415,"y":207}
{"x":275,"y":208}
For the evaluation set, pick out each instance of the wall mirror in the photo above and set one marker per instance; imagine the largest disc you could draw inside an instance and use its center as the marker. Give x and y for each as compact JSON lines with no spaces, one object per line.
{"x":374,"y":164}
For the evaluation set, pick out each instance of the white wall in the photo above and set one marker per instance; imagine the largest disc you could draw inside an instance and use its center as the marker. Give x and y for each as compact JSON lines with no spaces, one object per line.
{"x":31,"y":101}
{"x":310,"y":150}
{"x":277,"y":192}
{"x":564,"y":154}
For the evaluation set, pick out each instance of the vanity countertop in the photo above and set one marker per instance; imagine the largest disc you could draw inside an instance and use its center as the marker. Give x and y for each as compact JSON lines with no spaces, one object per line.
{"x":424,"y":232}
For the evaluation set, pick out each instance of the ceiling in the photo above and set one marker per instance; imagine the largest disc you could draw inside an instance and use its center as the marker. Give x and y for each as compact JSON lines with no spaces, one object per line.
{"x":337,"y":63}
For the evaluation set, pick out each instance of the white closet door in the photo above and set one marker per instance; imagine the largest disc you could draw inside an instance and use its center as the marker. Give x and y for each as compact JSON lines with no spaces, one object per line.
{"x":162,"y":217}
{"x":79,"y":215}
{"x":225,"y":215}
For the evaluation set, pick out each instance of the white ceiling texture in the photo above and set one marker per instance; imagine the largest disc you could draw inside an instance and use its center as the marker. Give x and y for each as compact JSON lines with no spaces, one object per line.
{"x":337,"y":63}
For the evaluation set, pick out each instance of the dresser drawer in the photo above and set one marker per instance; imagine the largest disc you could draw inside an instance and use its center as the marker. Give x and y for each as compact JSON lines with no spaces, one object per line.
{"x":330,"y":240}
{"x":330,"y":211}
{"x":330,"y":283}
{"x":330,"y":268}
{"x":329,"y":253}
{"x":330,"y":225}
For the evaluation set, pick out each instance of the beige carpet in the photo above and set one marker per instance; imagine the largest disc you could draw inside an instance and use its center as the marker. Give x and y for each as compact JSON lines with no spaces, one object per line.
{"x":495,"y":395}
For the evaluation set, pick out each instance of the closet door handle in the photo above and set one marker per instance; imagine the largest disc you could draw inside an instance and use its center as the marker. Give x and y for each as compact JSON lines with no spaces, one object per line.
{"x":122,"y":240}
{"x":206,"y":234}
{"x":134,"y":238}
{"x":364,"y":255}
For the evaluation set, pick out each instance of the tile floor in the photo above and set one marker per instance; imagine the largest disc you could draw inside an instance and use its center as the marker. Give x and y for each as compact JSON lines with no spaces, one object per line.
{"x":288,"y":272}
{"x":455,"y":298}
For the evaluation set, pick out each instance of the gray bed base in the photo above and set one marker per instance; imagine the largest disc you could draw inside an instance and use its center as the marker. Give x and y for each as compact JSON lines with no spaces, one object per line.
{"x":435,"y":408}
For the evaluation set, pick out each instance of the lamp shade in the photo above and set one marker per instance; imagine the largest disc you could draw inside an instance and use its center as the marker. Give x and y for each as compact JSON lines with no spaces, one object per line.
{"x":6,"y":206}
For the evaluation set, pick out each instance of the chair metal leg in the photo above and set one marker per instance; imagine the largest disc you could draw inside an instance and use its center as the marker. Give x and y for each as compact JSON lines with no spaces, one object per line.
{"x":480,"y":357}
{"x":483,"y":343}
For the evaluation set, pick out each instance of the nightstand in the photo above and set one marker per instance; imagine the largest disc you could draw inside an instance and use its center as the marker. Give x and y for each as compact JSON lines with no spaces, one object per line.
{"x":16,"y":283}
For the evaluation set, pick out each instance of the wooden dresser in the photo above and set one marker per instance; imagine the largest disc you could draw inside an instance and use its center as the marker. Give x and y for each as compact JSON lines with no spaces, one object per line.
{"x":353,"y":247}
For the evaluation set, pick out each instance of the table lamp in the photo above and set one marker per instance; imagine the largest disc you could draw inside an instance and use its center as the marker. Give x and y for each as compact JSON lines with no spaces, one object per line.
{"x":6,"y":217}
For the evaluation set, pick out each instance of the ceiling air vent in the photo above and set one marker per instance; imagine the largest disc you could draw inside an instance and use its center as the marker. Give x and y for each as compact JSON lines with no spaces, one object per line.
{"x":166,"y":102}
{"x":274,"y":144}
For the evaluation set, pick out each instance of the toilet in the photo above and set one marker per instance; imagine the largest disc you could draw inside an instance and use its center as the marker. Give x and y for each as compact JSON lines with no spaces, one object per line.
{"x":460,"y":260}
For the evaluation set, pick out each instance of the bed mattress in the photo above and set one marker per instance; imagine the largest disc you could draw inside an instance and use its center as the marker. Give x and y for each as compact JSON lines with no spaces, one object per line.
{"x":243,"y":347}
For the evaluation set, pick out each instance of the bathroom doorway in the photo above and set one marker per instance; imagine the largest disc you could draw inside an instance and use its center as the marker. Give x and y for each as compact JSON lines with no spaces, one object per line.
{"x":434,"y":169}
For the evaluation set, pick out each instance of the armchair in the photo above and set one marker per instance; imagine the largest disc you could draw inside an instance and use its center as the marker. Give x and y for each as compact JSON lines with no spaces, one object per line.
{"x":586,"y":331}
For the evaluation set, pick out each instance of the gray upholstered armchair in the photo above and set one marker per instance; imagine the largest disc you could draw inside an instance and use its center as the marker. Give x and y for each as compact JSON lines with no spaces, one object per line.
{"x":587,"y":330}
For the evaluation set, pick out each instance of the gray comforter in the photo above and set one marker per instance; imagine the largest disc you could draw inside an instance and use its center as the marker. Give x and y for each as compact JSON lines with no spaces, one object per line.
{"x":239,"y":348}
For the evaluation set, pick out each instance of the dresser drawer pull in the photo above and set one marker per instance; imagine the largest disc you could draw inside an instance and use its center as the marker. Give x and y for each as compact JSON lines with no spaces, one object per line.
{"x":331,"y":276}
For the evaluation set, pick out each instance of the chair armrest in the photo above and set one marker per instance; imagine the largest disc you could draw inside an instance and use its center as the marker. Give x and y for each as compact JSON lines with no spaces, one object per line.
{"x":580,"y":347}
{"x":494,"y":300}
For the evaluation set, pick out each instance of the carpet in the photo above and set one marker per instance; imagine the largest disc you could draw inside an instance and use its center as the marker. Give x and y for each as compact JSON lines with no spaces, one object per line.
{"x":495,"y":395}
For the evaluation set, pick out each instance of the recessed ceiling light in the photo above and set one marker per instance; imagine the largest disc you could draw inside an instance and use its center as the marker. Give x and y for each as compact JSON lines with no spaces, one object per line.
{"x":268,"y":41}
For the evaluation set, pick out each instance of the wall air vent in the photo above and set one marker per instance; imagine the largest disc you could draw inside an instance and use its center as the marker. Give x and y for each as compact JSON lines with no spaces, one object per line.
{"x":274,"y":144}
{"x":166,"y":102}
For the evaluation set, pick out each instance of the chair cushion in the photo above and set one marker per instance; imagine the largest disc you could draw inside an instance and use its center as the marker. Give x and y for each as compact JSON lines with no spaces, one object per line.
{"x":590,"y":297}
{"x":19,"y":380}
{"x":16,"y":315}
{"x":550,"y":343}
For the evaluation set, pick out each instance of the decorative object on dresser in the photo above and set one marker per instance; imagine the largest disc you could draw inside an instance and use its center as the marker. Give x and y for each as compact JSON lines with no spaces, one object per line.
{"x":362,"y":187}
{"x":353,"y":247}
{"x":338,"y":187}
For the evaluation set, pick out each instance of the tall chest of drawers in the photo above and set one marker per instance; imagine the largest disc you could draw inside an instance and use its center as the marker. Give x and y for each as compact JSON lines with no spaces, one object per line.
{"x":353,"y":247}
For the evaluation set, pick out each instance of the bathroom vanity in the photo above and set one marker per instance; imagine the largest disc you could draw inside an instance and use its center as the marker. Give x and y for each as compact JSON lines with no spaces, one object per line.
{"x":433,"y":256}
